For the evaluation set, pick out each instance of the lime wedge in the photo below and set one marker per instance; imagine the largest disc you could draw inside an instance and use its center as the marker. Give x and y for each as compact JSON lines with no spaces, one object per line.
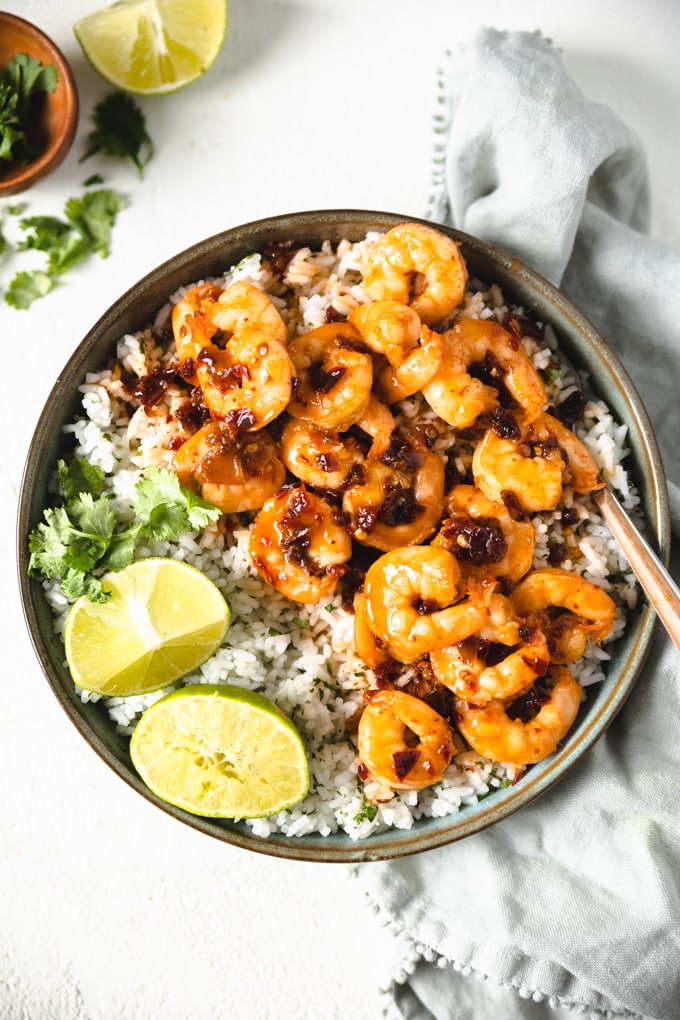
{"x":153,"y":46}
{"x":164,"y":618}
{"x":220,"y":751}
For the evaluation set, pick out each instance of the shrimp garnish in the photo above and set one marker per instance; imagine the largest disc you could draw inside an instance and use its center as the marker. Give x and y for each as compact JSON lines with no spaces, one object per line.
{"x":193,"y":325}
{"x":319,"y":457}
{"x":249,"y":382}
{"x":484,"y":537}
{"x":367,"y":646}
{"x":333,"y":374}
{"x":410,"y":595}
{"x":389,"y":328}
{"x":377,"y":421}
{"x":298,"y":545}
{"x":497,"y":733}
{"x":550,"y":587}
{"x":396,"y":382}
{"x":417,"y":266}
{"x":459,"y":398}
{"x":386,"y":725}
{"x":236,"y":472}
{"x":396,"y":501}
{"x":583,"y":474}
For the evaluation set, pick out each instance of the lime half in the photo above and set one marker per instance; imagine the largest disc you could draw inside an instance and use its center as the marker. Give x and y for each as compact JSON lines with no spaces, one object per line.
{"x":220,"y":751}
{"x":164,"y":619}
{"x":153,"y":46}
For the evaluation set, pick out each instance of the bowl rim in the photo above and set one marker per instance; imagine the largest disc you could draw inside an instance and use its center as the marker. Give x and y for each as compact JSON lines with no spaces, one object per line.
{"x":388,"y":844}
{"x":25,"y":176}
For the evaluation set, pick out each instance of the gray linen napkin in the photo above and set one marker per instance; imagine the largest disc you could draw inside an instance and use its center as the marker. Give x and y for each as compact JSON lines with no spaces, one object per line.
{"x":574,"y":901}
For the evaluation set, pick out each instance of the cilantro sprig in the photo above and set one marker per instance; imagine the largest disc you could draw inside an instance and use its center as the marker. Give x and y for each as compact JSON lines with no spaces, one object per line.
{"x":120,"y":131}
{"x":82,"y":538}
{"x":85,"y":230}
{"x":22,"y":80}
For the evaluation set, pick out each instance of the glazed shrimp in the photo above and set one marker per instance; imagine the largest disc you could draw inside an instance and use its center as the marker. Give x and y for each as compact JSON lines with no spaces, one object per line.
{"x":319,"y":457}
{"x":377,"y":422}
{"x":467,"y":670}
{"x":387,"y":724}
{"x":583,"y":473}
{"x":249,"y":383}
{"x":389,"y":328}
{"x":193,"y":326}
{"x":410,"y":595}
{"x":298,"y":545}
{"x":367,"y":646}
{"x":495,"y":734}
{"x":396,"y":382}
{"x":552,"y":587}
{"x":396,"y":503}
{"x":509,"y":469}
{"x":484,"y":537}
{"x":417,"y":266}
{"x":334,"y":376}
{"x":234,"y":472}
{"x":243,"y":306}
{"x":459,"y":398}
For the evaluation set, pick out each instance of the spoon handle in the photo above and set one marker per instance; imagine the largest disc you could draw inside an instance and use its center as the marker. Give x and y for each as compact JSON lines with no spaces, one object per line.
{"x":661,"y":589}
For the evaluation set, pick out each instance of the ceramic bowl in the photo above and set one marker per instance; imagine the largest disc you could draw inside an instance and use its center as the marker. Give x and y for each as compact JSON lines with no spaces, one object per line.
{"x":55,"y":114}
{"x":212,"y":257}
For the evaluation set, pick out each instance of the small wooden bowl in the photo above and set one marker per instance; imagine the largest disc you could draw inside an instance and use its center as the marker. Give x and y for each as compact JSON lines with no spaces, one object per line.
{"x":56,"y":116}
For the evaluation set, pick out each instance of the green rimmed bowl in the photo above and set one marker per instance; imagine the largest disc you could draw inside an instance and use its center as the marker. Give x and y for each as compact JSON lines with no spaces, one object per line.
{"x":581,"y":344}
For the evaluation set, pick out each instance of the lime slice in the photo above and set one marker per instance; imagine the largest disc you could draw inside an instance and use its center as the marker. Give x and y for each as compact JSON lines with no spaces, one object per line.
{"x":220,"y":751}
{"x":164,"y":618}
{"x":153,"y":46}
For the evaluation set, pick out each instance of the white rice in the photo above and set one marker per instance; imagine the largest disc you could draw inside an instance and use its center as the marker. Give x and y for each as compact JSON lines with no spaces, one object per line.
{"x":302,"y":657}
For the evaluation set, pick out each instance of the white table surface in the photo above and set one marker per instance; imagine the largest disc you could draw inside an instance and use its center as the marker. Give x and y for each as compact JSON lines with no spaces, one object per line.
{"x":108,"y":908}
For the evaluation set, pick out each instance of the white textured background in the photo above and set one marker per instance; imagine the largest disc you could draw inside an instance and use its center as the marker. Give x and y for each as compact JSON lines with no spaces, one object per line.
{"x":108,"y":908}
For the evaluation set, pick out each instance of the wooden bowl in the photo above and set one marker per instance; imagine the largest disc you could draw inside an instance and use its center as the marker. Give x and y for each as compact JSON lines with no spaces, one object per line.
{"x":55,"y":113}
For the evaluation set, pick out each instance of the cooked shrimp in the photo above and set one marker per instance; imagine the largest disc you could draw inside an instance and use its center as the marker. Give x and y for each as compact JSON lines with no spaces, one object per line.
{"x":242,"y":305}
{"x":410,"y":595}
{"x":459,"y":398}
{"x":417,"y":266}
{"x":396,"y":382}
{"x":334,"y":376}
{"x":496,"y":735}
{"x":247,"y":384}
{"x":484,"y":537}
{"x":193,"y":326}
{"x":367,"y":646}
{"x":553,"y":587}
{"x":298,"y":545}
{"x":377,"y":422}
{"x":509,"y":469}
{"x":389,"y":328}
{"x":583,"y":473}
{"x":388,"y":728}
{"x":234,"y":472}
{"x":319,"y":457}
{"x":467,"y":670}
{"x":396,"y":503}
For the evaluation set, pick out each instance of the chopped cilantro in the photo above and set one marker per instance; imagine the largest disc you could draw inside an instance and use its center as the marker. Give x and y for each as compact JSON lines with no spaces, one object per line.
{"x":302,"y":624}
{"x":93,"y":179}
{"x":80,"y":539}
{"x":86,"y":230}
{"x":23,"y":78}
{"x":120,"y":131}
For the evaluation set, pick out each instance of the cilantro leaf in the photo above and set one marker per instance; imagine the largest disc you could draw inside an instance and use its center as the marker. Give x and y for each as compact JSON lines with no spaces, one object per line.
{"x":168,"y":509}
{"x":86,"y":230}
{"x":79,"y":476}
{"x":27,"y":286}
{"x":120,"y":131}
{"x":80,"y":539}
{"x":22,"y":79}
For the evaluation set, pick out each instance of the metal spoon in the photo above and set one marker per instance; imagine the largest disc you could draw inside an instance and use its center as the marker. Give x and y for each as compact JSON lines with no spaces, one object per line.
{"x":662,"y":591}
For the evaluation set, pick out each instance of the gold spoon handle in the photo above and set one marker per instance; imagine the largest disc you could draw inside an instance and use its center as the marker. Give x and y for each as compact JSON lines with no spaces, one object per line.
{"x":661,"y":589}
